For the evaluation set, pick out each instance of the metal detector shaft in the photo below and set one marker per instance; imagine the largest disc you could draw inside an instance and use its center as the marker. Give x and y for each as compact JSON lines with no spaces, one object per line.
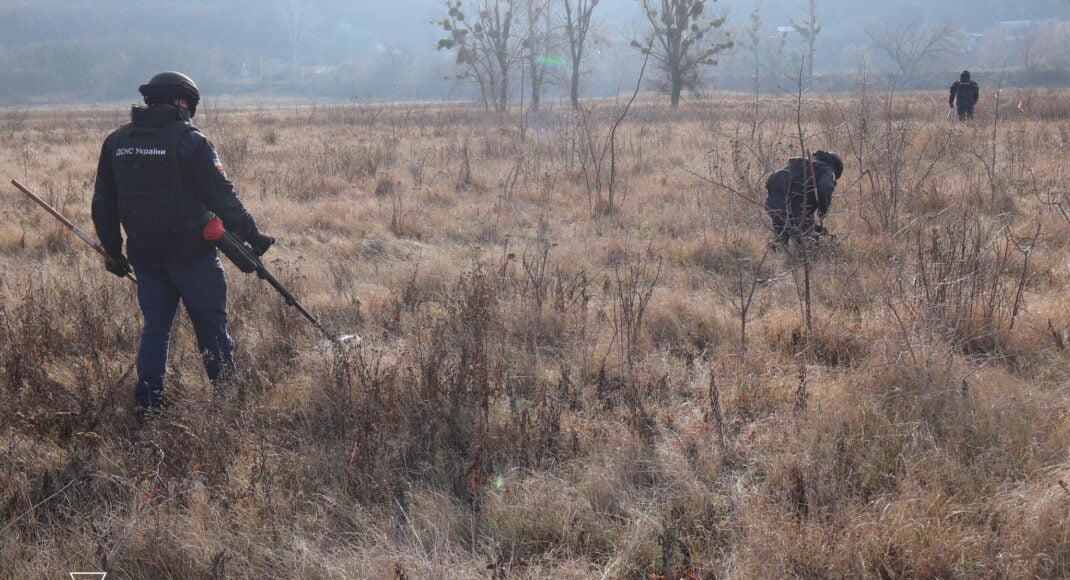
{"x":73,"y":228}
{"x":249,"y":261}
{"x":263,"y":274}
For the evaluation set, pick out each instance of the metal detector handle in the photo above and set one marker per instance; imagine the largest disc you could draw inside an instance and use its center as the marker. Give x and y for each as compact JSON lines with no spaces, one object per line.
{"x":237,"y":253}
{"x":78,"y":232}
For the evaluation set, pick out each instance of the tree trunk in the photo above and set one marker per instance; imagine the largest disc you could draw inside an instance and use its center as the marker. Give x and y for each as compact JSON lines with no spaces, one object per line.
{"x":810,"y":65}
{"x":536,"y":81}
{"x":503,"y":97}
{"x":677,"y":85}
{"x":503,"y":87}
{"x":574,"y":87}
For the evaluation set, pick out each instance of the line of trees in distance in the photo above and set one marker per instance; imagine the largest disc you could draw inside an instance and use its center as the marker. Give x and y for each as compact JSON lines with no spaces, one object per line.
{"x":498,"y":51}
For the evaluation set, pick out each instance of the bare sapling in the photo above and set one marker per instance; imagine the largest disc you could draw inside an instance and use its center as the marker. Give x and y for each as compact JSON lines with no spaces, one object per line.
{"x":599,"y":173}
{"x":989,"y":158}
{"x":804,"y":248}
{"x":746,"y":277}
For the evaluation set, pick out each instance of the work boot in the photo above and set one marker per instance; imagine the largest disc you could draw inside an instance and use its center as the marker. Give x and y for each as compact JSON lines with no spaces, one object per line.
{"x":143,"y":414}
{"x":146,"y":410}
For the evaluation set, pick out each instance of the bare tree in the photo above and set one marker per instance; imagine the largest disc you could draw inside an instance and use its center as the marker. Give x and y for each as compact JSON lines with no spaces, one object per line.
{"x":538,"y":43}
{"x":1046,"y":50}
{"x":765,"y":50}
{"x":809,"y":29}
{"x":486,"y":47}
{"x":577,"y":26}
{"x":474,"y":67}
{"x":744,"y":280}
{"x":679,"y":41}
{"x":592,"y":157}
{"x":299,"y":19}
{"x":911,"y":45}
{"x":753,"y":44}
{"x":496,"y":37}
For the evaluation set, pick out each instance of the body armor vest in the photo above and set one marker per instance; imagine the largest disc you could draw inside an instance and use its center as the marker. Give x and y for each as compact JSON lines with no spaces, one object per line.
{"x":967,"y":93}
{"x":791,"y":180}
{"x":152,"y":197}
{"x":790,"y":191}
{"x":800,"y":175}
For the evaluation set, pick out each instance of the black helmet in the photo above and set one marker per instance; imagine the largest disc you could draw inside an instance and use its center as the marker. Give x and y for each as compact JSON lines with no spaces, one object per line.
{"x":832,"y":160}
{"x":965,"y":76}
{"x":168,"y":86}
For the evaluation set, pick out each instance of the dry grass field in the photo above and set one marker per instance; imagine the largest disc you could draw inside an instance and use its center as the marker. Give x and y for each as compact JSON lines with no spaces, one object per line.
{"x":580,"y":360}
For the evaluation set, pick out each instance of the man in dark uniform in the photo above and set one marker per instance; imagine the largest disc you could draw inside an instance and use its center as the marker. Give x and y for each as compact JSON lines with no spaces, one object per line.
{"x":162,"y":181}
{"x":964,"y":94}
{"x":793,"y":198}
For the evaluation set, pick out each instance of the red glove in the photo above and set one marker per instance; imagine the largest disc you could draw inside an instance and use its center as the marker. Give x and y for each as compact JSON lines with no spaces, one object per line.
{"x":213,"y":230}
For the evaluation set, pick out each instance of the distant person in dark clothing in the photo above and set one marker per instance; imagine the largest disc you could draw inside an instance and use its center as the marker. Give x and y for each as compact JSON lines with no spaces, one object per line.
{"x":793,"y":198}
{"x":964,"y":94}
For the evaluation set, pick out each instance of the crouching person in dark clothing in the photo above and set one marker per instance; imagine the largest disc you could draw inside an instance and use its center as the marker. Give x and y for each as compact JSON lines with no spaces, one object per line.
{"x":793,"y":198}
{"x":160,"y":181}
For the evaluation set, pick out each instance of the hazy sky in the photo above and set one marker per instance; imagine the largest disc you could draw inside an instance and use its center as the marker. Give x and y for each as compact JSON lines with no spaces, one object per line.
{"x":78,"y":49}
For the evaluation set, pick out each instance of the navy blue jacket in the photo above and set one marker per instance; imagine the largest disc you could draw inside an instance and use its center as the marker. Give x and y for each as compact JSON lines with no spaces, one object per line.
{"x":967,"y":93}
{"x":201,"y":172}
{"x":785,"y":188}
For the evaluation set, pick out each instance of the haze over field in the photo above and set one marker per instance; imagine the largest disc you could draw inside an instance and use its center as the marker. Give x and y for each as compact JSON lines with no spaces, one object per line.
{"x":584,"y":354}
{"x":78,"y":51}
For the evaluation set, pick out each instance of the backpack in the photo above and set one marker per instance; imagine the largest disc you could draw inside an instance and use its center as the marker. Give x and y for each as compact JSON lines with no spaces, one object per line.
{"x":790,"y":179}
{"x":779,"y":182}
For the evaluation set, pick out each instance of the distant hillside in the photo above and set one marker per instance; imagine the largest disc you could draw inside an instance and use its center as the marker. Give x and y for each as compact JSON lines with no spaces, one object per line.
{"x":79,"y":50}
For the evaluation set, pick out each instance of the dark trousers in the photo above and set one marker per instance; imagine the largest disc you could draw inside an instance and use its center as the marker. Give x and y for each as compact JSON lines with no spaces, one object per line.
{"x":965,"y":112}
{"x":790,"y":220}
{"x":787,"y":228}
{"x":202,"y":288}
